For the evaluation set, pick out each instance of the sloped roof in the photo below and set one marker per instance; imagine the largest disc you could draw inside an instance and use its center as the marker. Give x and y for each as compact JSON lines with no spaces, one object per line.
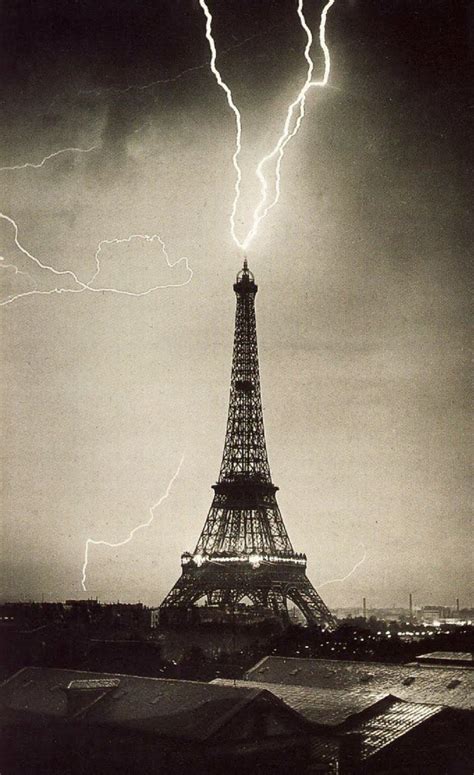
{"x":379,"y":719}
{"x":391,"y":723}
{"x":465,"y":657}
{"x":171,"y":708}
{"x":451,"y":687}
{"x":328,"y":706}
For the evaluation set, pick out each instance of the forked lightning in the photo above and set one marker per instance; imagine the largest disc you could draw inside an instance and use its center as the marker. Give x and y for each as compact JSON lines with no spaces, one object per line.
{"x":290,"y":128}
{"x":87,"y":286}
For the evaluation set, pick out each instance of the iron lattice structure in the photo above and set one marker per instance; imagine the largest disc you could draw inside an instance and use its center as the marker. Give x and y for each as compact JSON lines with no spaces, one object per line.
{"x":244,"y":549}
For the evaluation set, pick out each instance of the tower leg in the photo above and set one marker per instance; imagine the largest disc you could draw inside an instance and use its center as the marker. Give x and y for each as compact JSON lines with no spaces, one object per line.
{"x":277,"y":602}
{"x":183,"y":594}
{"x":273,"y":593}
{"x":305,"y":597}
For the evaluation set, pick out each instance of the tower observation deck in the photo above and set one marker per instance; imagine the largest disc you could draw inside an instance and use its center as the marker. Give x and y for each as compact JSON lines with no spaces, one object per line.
{"x":244,"y":549}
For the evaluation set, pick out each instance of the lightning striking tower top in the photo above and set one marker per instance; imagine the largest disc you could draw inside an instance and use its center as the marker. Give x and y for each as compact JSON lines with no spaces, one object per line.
{"x":269,"y":193}
{"x":244,"y":549}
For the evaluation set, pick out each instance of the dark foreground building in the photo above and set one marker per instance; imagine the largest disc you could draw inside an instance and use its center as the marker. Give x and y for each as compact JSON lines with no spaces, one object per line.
{"x":373,"y":718}
{"x":370,"y":734}
{"x":61,"y":722}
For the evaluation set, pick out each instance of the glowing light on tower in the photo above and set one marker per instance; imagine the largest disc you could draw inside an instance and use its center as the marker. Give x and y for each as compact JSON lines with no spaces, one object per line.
{"x":290,"y":128}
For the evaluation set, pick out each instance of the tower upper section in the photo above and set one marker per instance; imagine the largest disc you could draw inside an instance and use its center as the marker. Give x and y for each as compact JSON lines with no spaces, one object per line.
{"x":245,"y":456}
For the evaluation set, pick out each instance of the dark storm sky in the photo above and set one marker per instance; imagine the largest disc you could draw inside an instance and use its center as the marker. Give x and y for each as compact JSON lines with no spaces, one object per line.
{"x":362,"y":269}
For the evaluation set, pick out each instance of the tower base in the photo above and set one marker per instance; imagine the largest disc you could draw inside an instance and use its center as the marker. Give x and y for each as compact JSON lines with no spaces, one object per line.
{"x":268,"y":585}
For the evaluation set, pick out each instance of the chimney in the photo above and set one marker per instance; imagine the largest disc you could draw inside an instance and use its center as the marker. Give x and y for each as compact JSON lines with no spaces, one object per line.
{"x":364,"y":607}
{"x":82,"y":693}
{"x":410,"y":603}
{"x":457,"y":604}
{"x":350,"y":754}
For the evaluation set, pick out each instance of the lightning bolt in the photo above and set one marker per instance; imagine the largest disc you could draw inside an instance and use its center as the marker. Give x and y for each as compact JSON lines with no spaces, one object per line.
{"x":147,"y":238}
{"x":290,"y":129}
{"x":53,"y":155}
{"x":82,"y":286}
{"x":296,"y":107}
{"x":173,"y":78}
{"x":348,"y":575}
{"x":236,"y":112}
{"x":93,"y":542}
{"x":144,"y":86}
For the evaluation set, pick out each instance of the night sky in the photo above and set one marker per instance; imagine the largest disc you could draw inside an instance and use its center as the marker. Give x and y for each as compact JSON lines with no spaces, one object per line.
{"x":362,"y":308}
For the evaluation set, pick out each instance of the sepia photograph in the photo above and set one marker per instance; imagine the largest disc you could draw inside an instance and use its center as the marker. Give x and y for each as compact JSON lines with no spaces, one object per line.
{"x":236,"y":415}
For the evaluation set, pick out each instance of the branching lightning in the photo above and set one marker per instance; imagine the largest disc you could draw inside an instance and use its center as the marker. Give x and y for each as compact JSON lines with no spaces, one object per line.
{"x":93,"y":542}
{"x":294,"y":117}
{"x":348,"y":575}
{"x":140,"y":87}
{"x":31,"y":165}
{"x":236,"y":112}
{"x":268,"y":200}
{"x":87,"y":286}
{"x":297,"y":107}
{"x":148,"y":238}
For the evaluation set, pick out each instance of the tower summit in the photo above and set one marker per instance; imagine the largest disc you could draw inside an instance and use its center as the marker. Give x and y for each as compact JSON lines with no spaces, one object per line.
{"x":244,"y":549}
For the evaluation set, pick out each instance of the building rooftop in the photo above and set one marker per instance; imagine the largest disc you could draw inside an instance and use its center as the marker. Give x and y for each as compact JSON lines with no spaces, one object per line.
{"x":448,"y":657}
{"x":447,"y":686}
{"x":329,"y":707}
{"x":393,"y":721}
{"x":380,"y":720}
{"x":169,"y":708}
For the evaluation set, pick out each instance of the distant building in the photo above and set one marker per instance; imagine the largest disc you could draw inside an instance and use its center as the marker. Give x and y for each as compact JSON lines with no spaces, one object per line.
{"x":154,"y":618}
{"x":239,"y":614}
{"x":438,"y":615}
{"x":385,"y":614}
{"x":430,"y":614}
{"x":56,"y":721}
{"x":89,"y":612}
{"x":139,"y":657}
{"x":22,"y":645}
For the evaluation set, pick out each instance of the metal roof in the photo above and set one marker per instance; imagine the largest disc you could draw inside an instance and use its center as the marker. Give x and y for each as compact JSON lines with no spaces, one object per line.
{"x":380,"y":720}
{"x":391,"y":723}
{"x":451,"y":687}
{"x":329,"y":706}
{"x":171,"y":708}
{"x":449,"y":656}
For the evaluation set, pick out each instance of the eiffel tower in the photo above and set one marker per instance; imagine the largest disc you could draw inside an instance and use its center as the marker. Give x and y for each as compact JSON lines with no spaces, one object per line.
{"x":244,"y":549}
